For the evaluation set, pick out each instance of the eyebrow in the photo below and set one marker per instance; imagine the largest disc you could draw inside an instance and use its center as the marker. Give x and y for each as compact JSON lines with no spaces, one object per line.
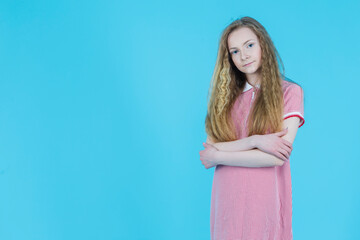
{"x":244,"y":43}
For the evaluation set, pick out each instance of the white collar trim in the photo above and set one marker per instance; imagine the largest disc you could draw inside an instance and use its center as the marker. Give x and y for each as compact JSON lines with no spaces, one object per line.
{"x":248,"y":86}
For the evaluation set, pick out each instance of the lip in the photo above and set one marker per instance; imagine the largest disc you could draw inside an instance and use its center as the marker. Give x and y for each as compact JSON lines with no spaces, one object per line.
{"x":247,"y":64}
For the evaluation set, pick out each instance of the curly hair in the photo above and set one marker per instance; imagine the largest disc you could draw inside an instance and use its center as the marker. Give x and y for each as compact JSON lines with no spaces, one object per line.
{"x":228,"y":82}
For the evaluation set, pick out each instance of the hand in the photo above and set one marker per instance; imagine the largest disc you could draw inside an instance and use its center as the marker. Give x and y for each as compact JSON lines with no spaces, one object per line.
{"x":207,"y":156}
{"x":274,"y":144}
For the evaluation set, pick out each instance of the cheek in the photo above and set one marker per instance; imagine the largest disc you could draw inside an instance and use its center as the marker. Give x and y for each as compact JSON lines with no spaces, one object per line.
{"x":259,"y":53}
{"x":235,"y":61}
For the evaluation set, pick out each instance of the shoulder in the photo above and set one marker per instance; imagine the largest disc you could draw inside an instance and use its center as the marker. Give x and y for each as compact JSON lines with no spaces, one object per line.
{"x":291,"y":87}
{"x":293,"y":101}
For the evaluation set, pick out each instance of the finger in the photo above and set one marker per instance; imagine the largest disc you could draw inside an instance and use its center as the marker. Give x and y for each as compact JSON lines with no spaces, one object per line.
{"x":287,"y":153}
{"x":279,"y":155}
{"x":209,"y":146}
{"x":286,"y":147}
{"x":287,"y":143}
{"x":284,"y":153}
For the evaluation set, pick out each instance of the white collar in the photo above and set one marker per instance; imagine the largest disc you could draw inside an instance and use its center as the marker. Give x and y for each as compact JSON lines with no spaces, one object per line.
{"x":249,"y":86}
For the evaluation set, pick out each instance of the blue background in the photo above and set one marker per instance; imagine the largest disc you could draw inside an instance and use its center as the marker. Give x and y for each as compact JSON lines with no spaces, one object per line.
{"x":102,"y":109}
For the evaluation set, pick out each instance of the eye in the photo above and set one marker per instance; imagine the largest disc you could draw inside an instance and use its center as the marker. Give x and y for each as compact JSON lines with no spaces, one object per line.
{"x":250,"y":44}
{"x":233,"y":52}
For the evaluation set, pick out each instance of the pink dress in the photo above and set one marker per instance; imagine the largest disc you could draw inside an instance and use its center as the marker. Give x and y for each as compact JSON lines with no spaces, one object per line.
{"x":254,"y":203}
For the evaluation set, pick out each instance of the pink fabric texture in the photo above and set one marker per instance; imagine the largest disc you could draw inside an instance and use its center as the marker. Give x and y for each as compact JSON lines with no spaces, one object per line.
{"x":254,"y":203}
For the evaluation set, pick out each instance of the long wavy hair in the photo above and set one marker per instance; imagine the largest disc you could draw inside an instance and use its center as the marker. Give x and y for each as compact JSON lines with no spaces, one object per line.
{"x":228,"y":82}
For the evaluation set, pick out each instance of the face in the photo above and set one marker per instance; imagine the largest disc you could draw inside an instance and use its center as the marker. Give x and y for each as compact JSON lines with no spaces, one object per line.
{"x":245,"y":51}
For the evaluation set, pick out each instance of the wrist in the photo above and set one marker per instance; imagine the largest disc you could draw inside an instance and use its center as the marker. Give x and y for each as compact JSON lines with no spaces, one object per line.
{"x":217,"y":157}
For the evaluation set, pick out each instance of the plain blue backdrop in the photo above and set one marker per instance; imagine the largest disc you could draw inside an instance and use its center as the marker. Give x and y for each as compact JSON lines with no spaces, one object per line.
{"x":102,"y":110}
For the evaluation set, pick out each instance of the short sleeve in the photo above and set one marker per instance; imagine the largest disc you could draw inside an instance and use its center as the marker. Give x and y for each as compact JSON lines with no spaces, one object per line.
{"x":294,"y":103}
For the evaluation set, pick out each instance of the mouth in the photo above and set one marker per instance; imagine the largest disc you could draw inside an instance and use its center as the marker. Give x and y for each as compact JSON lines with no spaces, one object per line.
{"x":247,"y":64}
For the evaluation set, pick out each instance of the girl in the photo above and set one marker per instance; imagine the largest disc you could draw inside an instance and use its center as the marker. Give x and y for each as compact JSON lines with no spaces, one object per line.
{"x":252,"y":120}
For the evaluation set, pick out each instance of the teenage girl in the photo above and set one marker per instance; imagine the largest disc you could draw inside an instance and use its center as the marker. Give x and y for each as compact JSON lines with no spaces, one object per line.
{"x":253,"y":116}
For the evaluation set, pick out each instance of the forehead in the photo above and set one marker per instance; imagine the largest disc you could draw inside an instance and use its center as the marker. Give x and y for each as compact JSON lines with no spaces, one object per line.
{"x":239,"y":36}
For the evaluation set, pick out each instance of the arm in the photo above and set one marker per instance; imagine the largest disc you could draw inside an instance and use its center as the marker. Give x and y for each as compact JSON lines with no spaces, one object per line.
{"x":255,"y":157}
{"x":248,"y":158}
{"x":234,"y":146}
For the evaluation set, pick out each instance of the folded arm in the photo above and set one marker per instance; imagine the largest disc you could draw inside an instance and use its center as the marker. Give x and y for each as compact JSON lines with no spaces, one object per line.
{"x":234,"y":146}
{"x":253,"y":157}
{"x":248,"y":158}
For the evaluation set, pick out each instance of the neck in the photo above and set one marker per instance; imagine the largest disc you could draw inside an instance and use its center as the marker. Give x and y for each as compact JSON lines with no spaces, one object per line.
{"x":253,"y":79}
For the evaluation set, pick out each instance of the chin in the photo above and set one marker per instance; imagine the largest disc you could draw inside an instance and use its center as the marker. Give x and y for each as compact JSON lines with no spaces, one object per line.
{"x":250,"y":72}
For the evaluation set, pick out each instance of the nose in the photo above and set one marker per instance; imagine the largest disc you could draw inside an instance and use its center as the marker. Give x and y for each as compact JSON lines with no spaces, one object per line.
{"x":243,"y":55}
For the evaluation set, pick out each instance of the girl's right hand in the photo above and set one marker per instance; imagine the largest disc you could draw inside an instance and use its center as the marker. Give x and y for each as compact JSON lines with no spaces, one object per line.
{"x":274,"y":144}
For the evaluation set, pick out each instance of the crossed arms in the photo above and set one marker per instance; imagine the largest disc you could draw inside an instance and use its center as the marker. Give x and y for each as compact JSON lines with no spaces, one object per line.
{"x":245,"y":152}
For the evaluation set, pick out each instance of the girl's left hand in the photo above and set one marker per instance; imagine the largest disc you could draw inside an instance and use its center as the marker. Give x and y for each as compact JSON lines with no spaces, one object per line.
{"x":207,"y":156}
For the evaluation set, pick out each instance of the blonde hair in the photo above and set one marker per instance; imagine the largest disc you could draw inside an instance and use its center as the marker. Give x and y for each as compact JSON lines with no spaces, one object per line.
{"x":228,"y":82}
